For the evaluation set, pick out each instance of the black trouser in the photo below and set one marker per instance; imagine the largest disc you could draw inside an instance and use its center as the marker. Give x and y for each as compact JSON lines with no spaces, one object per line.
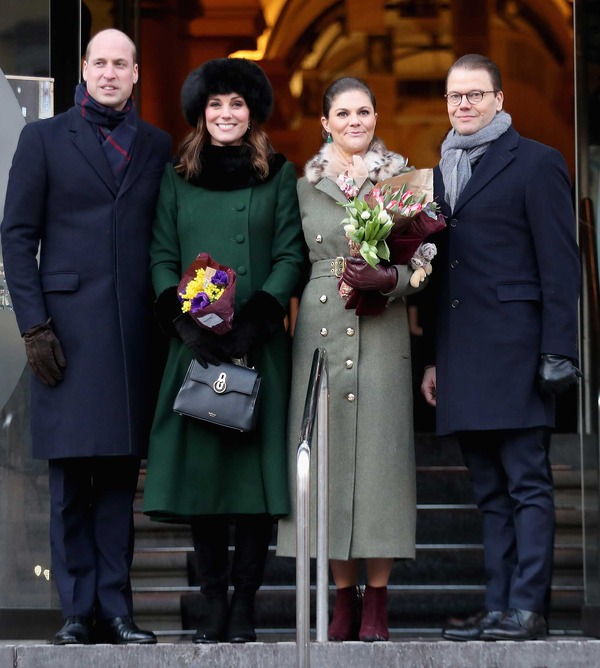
{"x":210,"y":534}
{"x":512,"y":481}
{"x":91,"y":533}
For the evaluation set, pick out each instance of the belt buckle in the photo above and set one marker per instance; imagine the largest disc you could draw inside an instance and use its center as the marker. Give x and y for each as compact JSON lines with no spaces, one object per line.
{"x":337,"y":266}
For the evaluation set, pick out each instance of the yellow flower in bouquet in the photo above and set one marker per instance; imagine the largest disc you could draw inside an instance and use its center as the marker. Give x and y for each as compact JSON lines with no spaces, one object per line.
{"x":207,"y":292}
{"x":205,"y":288}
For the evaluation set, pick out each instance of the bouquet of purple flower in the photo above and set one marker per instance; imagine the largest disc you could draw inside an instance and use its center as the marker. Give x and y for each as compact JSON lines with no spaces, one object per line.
{"x":207,"y":292}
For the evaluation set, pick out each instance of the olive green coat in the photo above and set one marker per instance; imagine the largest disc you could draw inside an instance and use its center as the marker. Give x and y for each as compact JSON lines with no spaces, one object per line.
{"x":195,"y":468}
{"x":372,"y":506}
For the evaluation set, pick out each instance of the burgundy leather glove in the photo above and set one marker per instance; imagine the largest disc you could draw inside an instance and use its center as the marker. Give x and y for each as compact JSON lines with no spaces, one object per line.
{"x":44,"y":353}
{"x":358,"y":274}
{"x":557,"y":373}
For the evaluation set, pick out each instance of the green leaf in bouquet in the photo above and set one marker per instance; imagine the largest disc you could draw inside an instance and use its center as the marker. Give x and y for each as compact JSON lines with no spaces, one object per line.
{"x":386,"y":228}
{"x":369,"y":227}
{"x":383,"y":250}
{"x":369,"y":254}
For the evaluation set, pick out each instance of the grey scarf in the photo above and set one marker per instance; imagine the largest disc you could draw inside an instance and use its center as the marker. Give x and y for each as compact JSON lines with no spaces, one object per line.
{"x":459,"y":152}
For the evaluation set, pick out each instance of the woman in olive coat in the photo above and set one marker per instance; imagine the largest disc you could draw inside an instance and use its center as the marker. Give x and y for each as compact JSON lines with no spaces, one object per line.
{"x":227,"y":194}
{"x":372,"y":511}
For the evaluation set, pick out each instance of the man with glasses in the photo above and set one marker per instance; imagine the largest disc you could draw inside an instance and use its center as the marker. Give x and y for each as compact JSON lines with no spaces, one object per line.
{"x":502,"y":338}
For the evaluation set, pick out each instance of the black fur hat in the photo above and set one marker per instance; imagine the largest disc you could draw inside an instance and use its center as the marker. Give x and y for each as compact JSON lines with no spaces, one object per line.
{"x":222,"y":76}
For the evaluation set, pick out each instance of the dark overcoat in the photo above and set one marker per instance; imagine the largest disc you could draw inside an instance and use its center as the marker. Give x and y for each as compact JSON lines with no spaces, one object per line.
{"x":506,"y":282}
{"x":195,"y":468}
{"x":92,"y":281}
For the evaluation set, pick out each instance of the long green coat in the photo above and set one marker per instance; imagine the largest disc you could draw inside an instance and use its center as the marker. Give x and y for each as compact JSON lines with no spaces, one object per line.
{"x":372,"y":505}
{"x":195,"y":468}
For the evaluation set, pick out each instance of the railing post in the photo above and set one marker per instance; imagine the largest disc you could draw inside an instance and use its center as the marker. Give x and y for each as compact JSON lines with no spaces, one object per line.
{"x":323,"y":507}
{"x":316,"y":409}
{"x":303,"y":556}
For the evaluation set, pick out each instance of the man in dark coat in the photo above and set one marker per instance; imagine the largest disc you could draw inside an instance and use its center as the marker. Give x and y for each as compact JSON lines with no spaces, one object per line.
{"x":503,"y":339}
{"x":83,"y":188}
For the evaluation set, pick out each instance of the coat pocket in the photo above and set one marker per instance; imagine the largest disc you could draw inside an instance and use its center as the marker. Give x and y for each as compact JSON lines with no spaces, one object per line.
{"x":529,"y":291}
{"x":64,"y":281}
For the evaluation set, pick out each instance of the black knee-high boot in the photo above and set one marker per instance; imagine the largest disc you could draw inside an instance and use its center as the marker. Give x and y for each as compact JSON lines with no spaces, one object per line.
{"x":210,"y":534}
{"x":252,"y":538}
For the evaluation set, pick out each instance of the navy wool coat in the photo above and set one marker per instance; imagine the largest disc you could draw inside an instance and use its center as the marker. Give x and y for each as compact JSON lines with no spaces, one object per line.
{"x":92,"y":281}
{"x":506,"y":284}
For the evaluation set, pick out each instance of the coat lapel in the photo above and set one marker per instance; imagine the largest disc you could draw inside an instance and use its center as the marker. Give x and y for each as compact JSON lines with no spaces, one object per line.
{"x":141,"y":150}
{"x":83,"y":137}
{"x":496,"y":158}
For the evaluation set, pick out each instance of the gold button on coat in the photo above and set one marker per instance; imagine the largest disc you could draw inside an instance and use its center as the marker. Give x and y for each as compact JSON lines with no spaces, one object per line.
{"x":350,"y":397}
{"x":324,"y":331}
{"x":350,"y":331}
{"x":319,"y":239}
{"x":323,"y":299}
{"x":349,"y":364}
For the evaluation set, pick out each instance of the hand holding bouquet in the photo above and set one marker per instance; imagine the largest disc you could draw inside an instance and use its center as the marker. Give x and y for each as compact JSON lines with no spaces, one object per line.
{"x":207,"y":292}
{"x":391,"y":224}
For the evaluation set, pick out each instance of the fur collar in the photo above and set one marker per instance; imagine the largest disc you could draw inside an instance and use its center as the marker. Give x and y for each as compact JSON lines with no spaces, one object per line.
{"x":381,"y":163}
{"x":228,"y":168}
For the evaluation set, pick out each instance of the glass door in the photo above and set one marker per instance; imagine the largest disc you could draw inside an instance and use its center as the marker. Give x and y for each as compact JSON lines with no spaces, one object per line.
{"x":587,"y":82}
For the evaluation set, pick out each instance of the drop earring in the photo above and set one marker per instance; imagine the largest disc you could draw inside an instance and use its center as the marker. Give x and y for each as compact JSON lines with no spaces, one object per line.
{"x":329,"y":139}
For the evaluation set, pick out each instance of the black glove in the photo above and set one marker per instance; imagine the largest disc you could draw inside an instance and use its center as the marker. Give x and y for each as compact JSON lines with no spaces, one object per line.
{"x":361,"y":275}
{"x":167,"y":307}
{"x":206,"y":347}
{"x":44,"y":353}
{"x":557,"y":373}
{"x":256,"y":322}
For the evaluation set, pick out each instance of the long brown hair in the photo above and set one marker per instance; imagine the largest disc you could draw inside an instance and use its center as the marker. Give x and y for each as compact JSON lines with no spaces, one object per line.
{"x":256,"y":139}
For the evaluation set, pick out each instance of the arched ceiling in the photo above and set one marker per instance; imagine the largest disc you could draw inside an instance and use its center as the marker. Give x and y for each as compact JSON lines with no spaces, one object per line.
{"x":302,"y":29}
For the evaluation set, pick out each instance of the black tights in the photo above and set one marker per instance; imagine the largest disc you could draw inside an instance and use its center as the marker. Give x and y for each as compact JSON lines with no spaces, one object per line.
{"x":210,"y":534}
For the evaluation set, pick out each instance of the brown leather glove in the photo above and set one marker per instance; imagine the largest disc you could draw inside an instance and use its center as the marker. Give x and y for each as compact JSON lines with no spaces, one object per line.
{"x":44,"y":353}
{"x":360,"y":275}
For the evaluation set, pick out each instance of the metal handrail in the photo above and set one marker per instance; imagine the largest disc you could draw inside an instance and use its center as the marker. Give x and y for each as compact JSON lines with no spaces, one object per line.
{"x":316,"y":410}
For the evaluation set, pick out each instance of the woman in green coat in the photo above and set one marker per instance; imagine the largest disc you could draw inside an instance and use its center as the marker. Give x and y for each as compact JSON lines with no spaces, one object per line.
{"x":372,"y":505}
{"x":228,"y":194}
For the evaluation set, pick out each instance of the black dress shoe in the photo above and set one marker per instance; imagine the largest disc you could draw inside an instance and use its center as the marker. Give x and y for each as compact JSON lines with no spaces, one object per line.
{"x":472,"y":627}
{"x":517,"y":625}
{"x":77,"y":630}
{"x":123,"y":631}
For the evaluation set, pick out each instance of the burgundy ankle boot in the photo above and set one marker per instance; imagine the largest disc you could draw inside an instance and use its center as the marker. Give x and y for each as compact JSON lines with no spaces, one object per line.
{"x":346,"y":615}
{"x":374,"y":624}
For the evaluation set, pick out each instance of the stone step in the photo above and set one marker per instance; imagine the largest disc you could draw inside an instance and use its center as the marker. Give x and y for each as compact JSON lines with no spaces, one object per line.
{"x":439,"y":484}
{"x":431,"y":450}
{"x":453,"y":563}
{"x":412,"y":652}
{"x":446,"y":579}
{"x":408,"y":606}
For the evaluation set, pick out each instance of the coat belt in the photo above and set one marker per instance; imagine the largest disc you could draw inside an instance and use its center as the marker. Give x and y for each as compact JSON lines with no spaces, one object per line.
{"x":333,"y":268}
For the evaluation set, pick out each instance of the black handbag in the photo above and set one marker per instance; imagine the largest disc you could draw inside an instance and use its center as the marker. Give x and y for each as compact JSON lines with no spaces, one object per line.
{"x":227,"y":395}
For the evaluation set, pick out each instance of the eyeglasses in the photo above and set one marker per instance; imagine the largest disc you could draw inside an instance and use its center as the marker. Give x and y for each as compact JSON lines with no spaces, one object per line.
{"x":473,"y":96}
